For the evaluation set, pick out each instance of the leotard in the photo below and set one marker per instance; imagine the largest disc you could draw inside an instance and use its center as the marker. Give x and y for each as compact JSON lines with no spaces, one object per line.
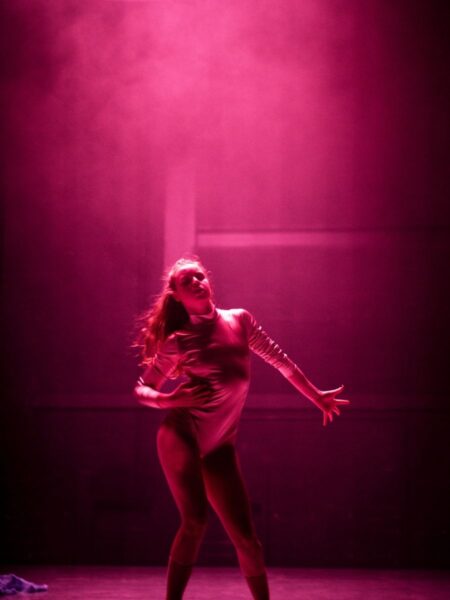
{"x":213,"y":349}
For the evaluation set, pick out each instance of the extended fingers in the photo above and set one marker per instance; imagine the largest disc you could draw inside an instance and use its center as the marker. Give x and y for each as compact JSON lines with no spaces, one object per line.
{"x":328,"y":414}
{"x":336,"y":391}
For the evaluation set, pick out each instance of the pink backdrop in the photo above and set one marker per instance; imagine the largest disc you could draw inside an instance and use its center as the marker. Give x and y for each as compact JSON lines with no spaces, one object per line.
{"x":301,"y":149}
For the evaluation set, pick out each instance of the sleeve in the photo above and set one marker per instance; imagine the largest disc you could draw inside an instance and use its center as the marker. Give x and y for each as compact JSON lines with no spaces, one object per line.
{"x":164,"y":365}
{"x":262,"y":345}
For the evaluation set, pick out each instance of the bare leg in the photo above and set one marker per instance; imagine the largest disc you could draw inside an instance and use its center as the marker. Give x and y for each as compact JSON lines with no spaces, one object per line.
{"x":228,"y":496}
{"x":181,"y":463}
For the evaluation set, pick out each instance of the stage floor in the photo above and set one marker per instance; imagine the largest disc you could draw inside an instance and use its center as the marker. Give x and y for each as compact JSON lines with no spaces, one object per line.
{"x":140,"y":583}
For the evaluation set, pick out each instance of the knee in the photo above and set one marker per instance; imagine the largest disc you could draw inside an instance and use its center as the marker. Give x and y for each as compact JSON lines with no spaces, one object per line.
{"x":194,"y":526}
{"x":248,"y":542}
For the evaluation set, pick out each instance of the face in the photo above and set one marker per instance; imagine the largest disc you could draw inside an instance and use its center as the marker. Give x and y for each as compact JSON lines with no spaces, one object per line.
{"x":192,"y":288}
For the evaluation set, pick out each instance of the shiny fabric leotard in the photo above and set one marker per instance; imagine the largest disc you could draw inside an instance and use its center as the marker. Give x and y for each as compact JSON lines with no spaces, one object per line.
{"x":214,"y":350}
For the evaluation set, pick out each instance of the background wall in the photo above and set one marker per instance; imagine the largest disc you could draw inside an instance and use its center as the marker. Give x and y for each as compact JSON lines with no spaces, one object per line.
{"x":301,"y":150}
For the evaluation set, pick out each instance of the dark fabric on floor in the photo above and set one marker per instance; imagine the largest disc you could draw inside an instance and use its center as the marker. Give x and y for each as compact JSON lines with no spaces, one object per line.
{"x":11,"y":584}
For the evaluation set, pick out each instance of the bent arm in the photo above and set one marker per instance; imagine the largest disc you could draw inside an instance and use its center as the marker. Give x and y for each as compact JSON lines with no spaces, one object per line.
{"x":147,"y":389}
{"x":162,"y":367}
{"x":187,"y":395}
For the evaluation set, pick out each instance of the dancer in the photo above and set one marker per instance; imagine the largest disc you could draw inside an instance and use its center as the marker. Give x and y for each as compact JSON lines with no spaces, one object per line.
{"x":184,"y":333}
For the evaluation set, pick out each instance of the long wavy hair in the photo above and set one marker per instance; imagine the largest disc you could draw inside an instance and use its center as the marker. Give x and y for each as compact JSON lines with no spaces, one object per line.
{"x":165,"y":316}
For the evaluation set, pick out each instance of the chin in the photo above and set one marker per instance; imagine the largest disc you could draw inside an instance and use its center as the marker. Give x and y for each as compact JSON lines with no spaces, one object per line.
{"x":204,"y":295}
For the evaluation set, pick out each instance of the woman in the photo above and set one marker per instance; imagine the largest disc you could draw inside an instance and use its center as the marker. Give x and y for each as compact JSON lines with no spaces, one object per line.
{"x":185,"y":334}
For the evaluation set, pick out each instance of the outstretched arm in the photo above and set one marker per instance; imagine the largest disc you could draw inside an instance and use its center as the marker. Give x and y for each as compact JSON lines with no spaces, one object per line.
{"x":268,"y":350}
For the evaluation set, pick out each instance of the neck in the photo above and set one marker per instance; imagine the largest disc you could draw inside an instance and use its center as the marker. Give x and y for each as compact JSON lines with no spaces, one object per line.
{"x":202,"y":310}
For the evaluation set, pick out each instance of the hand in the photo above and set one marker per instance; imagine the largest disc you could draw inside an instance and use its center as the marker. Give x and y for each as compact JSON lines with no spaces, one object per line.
{"x":328,"y":403}
{"x":148,"y":396}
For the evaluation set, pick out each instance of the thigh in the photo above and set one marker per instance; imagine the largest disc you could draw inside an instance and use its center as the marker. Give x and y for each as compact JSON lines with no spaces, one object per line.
{"x":180,"y":460}
{"x":227,"y":492}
